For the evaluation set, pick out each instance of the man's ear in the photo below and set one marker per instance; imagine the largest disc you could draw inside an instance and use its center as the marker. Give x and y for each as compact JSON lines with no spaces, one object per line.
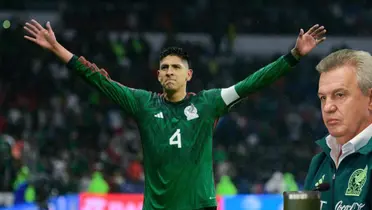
{"x":158,"y":74}
{"x":189,"y":75}
{"x":370,"y":99}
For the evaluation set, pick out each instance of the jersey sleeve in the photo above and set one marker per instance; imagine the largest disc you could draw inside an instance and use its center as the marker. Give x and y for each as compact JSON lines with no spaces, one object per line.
{"x":225,"y":98}
{"x":128,"y":98}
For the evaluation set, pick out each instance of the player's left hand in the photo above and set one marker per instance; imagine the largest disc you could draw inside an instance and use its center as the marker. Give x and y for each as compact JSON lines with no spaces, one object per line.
{"x":309,"y":40}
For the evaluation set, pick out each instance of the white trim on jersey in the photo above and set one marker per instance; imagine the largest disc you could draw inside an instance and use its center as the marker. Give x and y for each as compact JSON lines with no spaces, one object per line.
{"x":229,"y":95}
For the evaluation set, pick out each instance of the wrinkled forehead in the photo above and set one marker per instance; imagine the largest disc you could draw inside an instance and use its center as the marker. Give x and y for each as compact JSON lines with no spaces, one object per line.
{"x":173,"y":60}
{"x":341,"y":77}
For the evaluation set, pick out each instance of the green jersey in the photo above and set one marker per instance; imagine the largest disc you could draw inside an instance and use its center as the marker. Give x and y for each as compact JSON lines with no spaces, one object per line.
{"x":177,"y":137}
{"x":350,"y":183}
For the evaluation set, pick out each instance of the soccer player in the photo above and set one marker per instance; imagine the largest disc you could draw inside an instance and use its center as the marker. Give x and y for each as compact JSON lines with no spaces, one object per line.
{"x":176,"y":127}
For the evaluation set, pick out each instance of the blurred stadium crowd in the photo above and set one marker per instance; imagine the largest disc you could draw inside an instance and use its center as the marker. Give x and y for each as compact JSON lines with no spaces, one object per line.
{"x":53,"y":123}
{"x":207,"y":16}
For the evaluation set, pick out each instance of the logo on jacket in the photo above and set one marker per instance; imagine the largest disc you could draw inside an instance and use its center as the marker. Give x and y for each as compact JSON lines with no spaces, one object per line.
{"x":321,"y":180}
{"x":356,"y":182}
{"x":356,"y":206}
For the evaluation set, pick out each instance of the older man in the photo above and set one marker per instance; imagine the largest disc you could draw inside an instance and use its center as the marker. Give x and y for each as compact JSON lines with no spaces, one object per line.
{"x":345,"y":92}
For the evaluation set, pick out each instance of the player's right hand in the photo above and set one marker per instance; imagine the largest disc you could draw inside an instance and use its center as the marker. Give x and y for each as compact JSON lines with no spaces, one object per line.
{"x":41,"y":36}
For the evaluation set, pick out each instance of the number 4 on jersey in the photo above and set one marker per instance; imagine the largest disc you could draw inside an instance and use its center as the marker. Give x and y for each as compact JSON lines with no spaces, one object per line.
{"x":176,"y":138}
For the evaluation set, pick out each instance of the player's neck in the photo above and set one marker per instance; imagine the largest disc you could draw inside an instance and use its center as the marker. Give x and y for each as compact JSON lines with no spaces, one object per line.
{"x":175,"y":96}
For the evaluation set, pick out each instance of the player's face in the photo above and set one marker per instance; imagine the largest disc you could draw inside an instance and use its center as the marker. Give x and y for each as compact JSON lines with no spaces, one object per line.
{"x":346,"y":110}
{"x":174,"y":73}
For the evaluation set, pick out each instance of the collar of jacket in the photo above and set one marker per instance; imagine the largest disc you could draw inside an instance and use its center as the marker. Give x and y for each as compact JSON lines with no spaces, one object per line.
{"x":364,"y":150}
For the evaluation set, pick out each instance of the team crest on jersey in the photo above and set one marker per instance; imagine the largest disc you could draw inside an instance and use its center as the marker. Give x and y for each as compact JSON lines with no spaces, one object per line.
{"x":191,"y":112}
{"x":356,"y":182}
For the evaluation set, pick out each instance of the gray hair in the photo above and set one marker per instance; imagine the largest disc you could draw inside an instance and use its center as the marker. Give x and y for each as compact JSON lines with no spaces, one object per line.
{"x":361,"y":60}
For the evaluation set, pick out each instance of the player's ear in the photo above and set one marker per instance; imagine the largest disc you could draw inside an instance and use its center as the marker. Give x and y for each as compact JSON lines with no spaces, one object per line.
{"x":189,"y":75}
{"x":158,"y":74}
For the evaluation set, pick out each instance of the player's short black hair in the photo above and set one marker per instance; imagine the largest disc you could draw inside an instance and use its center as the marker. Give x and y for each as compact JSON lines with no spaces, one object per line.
{"x":175,"y":51}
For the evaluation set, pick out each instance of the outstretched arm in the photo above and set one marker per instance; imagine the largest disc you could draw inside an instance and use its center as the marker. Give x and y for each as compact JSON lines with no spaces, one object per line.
{"x":45,"y":38}
{"x":258,"y":80}
{"x":127,"y":98}
{"x":273,"y":71}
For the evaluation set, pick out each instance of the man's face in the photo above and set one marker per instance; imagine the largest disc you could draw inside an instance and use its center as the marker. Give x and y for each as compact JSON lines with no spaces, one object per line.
{"x":174,"y":73}
{"x":346,"y":110}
